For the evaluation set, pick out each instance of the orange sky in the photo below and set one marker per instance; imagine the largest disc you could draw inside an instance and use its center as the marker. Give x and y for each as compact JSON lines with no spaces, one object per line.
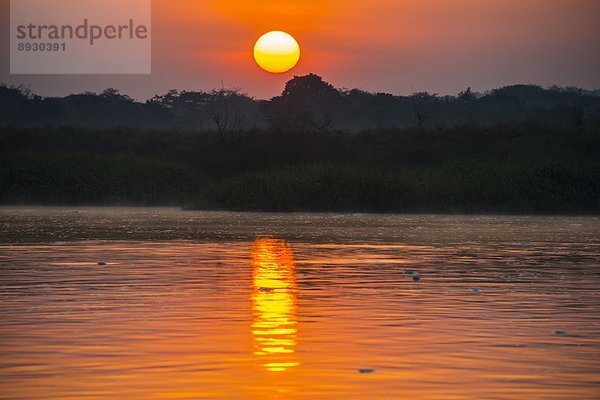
{"x":397,"y":46}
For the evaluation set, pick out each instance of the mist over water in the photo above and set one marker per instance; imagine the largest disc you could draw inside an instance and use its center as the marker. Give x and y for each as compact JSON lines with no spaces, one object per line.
{"x":162,"y":303}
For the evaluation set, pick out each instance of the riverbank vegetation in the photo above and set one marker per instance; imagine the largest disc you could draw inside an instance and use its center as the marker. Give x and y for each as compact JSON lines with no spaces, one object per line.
{"x":506,"y":169}
{"x":518,"y":149}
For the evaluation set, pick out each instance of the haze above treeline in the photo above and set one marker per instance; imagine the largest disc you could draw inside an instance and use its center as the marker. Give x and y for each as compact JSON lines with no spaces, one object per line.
{"x":306,"y":103}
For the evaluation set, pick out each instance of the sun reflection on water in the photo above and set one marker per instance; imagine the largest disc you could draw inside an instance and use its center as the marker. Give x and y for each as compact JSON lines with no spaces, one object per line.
{"x":274,"y":327}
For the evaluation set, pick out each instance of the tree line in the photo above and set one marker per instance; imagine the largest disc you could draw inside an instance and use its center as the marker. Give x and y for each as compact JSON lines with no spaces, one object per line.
{"x":307,"y":103}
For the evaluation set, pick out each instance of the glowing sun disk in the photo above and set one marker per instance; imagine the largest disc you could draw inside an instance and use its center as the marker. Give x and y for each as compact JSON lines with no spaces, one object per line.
{"x":276,"y":52}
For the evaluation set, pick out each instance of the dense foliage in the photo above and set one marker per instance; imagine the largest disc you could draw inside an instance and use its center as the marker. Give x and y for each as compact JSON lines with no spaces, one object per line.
{"x":513,"y":168}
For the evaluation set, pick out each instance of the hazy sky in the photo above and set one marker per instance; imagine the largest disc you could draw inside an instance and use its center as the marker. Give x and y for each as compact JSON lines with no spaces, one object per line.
{"x":396,"y":46}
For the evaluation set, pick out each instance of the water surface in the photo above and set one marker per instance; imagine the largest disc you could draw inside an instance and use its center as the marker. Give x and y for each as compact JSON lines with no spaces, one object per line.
{"x":208,"y":305}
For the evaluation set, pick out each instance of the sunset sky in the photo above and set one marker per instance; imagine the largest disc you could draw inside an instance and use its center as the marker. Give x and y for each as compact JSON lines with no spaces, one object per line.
{"x":396,"y":46}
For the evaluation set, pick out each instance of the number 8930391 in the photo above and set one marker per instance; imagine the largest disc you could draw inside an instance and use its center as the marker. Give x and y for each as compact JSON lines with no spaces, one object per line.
{"x":41,"y":46}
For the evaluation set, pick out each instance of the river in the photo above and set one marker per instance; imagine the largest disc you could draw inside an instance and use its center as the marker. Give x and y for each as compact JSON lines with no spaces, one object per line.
{"x":147,"y":303}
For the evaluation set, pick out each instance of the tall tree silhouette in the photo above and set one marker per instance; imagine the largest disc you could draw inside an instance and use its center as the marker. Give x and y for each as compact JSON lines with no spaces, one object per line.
{"x":306,"y":103}
{"x":421,"y":102}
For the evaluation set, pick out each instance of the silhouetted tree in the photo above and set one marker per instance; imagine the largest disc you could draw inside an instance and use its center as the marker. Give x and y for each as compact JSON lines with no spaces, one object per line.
{"x":11,"y":99}
{"x":306,"y":103}
{"x":225,"y":107}
{"x":466,"y":101}
{"x":185,"y":108}
{"x":420,"y":102}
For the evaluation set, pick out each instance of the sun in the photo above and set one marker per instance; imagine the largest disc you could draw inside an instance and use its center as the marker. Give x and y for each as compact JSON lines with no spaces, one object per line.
{"x":276,"y":52}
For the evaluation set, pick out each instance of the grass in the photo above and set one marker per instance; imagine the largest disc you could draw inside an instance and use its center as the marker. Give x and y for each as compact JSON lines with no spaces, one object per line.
{"x":497,"y":188}
{"x":507,"y":169}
